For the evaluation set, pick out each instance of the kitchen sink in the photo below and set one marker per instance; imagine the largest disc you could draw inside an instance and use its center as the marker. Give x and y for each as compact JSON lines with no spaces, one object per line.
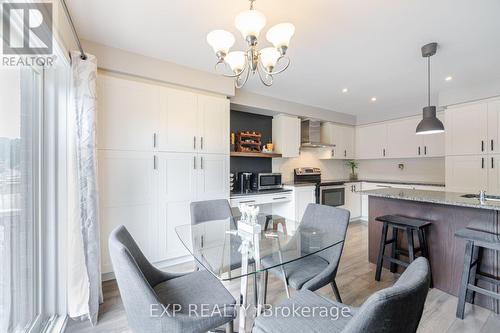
{"x":486,"y":197}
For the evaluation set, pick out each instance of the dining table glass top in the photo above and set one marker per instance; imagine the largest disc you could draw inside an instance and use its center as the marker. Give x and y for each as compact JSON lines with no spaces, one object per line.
{"x":222,"y":248}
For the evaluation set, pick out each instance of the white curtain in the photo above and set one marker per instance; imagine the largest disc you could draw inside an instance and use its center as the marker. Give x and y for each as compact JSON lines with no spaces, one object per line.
{"x":84,"y":269}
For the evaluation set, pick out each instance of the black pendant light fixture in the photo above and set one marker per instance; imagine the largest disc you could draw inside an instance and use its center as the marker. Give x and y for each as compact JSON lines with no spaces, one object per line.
{"x":429,"y":124}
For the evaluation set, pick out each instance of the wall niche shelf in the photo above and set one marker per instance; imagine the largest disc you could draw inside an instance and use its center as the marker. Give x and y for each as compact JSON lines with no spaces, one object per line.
{"x":255,"y":154}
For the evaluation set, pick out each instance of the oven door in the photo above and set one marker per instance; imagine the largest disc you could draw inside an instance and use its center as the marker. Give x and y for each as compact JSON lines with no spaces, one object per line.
{"x":332,"y":195}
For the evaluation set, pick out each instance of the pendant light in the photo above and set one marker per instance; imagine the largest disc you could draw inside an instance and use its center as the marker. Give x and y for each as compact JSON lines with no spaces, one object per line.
{"x":429,"y":124}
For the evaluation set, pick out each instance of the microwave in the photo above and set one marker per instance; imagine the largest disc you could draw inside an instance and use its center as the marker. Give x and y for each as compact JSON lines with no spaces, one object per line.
{"x":267,"y":181}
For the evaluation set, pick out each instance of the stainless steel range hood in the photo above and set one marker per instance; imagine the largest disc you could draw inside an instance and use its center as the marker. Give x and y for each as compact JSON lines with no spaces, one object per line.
{"x":310,"y":134}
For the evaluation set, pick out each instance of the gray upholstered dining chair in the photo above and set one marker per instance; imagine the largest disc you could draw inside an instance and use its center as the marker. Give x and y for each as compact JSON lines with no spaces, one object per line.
{"x":397,"y":309}
{"x":157,"y":301}
{"x":218,"y":209}
{"x":320,"y":269}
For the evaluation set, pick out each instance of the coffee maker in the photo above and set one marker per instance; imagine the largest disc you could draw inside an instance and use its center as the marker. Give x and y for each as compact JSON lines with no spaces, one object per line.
{"x":245,"y":182}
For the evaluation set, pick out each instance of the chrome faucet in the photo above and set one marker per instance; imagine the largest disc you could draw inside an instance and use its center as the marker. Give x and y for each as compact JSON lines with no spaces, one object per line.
{"x":482,"y":196}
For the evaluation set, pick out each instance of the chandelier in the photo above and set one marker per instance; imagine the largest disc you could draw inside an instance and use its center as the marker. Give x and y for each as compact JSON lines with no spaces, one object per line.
{"x":266,"y":62}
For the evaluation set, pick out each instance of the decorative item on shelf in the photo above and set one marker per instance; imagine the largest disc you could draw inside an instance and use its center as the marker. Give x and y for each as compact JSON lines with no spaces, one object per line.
{"x":231,"y":182}
{"x":268,"y":148}
{"x":249,"y":142}
{"x":266,"y":62}
{"x":232,"y":142}
{"x":248,"y":220}
{"x":353,"y":165}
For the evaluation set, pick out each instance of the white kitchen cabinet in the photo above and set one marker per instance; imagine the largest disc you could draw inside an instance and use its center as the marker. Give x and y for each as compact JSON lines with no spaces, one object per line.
{"x":466,"y":129}
{"x":177,"y":188}
{"x":433,"y":145}
{"x":353,"y":199}
{"x":127,"y":195}
{"x":303,"y":196}
{"x":342,"y":137}
{"x":286,"y":135}
{"x":402,"y":140}
{"x":371,"y":141}
{"x":128,"y":113}
{"x":466,"y":173}
{"x":493,"y":174}
{"x":213,"y":176}
{"x":178,"y":121}
{"x":213,"y":124}
{"x":493,"y":145}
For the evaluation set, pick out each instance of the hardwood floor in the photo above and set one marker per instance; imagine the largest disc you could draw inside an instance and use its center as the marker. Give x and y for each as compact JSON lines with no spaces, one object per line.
{"x":355,"y":280}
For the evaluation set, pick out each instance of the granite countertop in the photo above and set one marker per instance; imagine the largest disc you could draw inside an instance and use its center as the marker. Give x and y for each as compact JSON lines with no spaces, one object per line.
{"x":437,"y":197}
{"x":343,"y":181}
{"x":263,"y":192}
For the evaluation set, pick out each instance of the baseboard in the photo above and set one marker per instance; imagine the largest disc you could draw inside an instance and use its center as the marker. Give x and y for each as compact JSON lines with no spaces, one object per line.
{"x":160,"y":264}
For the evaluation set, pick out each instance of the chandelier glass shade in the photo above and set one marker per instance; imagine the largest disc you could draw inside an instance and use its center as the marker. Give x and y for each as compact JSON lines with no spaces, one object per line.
{"x":266,"y":62}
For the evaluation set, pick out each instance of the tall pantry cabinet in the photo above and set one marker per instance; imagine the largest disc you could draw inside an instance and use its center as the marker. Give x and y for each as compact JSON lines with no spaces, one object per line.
{"x":473,"y":147}
{"x":159,"y":149}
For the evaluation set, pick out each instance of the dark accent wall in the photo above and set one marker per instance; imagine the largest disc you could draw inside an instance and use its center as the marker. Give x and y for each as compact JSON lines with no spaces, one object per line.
{"x":243,"y":121}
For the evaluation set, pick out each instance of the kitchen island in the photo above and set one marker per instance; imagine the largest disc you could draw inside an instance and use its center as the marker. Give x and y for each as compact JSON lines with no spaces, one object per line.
{"x":447,"y":212}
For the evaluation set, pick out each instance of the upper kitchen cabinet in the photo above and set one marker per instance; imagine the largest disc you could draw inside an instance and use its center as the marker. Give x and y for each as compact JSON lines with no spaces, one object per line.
{"x":493,"y":145}
{"x":191,"y":122}
{"x":342,"y":137}
{"x":466,"y":129}
{"x":432,"y":145}
{"x":128,"y":113}
{"x":178,"y":121}
{"x":213,"y":124}
{"x":402,"y":139}
{"x":286,"y":135}
{"x":403,"y":142}
{"x":371,"y":141}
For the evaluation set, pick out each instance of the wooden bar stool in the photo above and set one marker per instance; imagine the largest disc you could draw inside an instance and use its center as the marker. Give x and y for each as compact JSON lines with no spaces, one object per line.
{"x":476,"y":241}
{"x":408,"y":225}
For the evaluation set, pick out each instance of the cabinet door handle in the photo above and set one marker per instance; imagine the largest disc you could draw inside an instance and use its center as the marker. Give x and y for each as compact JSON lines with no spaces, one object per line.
{"x":154,"y":140}
{"x":201,"y":162}
{"x":201,"y":143}
{"x":383,"y":151}
{"x":345,"y":153}
{"x":247,"y":201}
{"x":333,"y":152}
{"x":492,"y":163}
{"x":482,"y":145}
{"x":194,"y":162}
{"x":155,"y":162}
{"x":419,"y":150}
{"x":194,"y":142}
{"x":425,"y":150}
{"x":279,"y":198}
{"x":482,"y":162}
{"x":491,"y":145}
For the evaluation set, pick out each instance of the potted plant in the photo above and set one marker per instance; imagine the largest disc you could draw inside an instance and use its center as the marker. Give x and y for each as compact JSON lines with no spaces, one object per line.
{"x":353,"y":165}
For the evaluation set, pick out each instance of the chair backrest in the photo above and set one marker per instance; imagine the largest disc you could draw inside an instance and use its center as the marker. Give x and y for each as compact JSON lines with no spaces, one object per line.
{"x":136,"y":279}
{"x":331,"y":219}
{"x":209,"y":210}
{"x":398,"y":308}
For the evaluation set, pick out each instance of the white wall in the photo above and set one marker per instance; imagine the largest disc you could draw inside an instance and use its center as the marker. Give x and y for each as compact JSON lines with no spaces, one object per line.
{"x":331,"y":169}
{"x":415,"y":169}
{"x":249,"y":102}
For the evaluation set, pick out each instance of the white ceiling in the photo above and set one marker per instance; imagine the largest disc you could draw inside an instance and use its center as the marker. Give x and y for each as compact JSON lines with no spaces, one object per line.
{"x":370,"y":47}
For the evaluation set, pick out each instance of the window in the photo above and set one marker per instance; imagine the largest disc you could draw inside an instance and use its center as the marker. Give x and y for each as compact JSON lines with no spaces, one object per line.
{"x":20,"y":201}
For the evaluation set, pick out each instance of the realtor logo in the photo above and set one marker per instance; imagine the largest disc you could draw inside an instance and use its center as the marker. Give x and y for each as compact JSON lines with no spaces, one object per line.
{"x":27,"y":28}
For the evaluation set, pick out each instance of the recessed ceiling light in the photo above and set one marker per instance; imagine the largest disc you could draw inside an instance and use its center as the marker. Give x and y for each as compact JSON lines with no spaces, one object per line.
{"x":345,"y":90}
{"x":374,"y":99}
{"x":449,"y":78}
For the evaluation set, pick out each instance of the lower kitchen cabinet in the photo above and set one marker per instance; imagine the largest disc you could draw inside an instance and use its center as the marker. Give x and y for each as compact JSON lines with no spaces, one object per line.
{"x":353,"y":199}
{"x":127,"y":200}
{"x":303,"y":196}
{"x":467,"y":173}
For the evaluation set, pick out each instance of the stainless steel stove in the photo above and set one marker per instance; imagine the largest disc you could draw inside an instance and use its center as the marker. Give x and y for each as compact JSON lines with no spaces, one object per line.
{"x":328,"y":192}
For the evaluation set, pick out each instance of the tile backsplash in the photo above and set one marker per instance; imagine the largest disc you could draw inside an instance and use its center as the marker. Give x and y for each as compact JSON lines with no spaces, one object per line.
{"x":415,"y":169}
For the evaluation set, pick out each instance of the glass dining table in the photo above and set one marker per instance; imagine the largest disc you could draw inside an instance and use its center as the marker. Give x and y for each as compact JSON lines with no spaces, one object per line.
{"x":229,"y":252}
